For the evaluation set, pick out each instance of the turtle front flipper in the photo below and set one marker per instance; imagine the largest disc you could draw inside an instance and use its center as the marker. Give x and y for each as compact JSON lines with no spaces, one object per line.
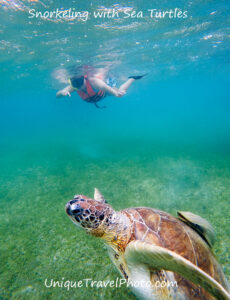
{"x":140,"y":254}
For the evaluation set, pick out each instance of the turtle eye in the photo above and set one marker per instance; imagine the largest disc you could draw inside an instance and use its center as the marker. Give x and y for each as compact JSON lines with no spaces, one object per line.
{"x":73,"y":201}
{"x":77,"y":211}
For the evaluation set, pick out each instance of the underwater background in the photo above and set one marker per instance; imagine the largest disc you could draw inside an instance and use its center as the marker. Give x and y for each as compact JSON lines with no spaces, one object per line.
{"x":166,"y":144}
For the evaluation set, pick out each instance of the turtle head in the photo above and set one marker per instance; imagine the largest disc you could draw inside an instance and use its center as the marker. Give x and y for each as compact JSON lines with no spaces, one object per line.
{"x":91,"y":214}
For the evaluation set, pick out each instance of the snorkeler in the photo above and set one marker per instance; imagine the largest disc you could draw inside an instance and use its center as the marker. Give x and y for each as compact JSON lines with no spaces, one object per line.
{"x":92,"y":89}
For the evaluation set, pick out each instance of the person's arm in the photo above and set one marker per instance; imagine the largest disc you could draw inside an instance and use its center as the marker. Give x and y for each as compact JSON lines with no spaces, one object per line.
{"x":65,"y":92}
{"x":101,"y":85}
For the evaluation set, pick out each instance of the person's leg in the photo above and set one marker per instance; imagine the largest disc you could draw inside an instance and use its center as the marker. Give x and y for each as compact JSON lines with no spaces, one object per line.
{"x":124,"y":87}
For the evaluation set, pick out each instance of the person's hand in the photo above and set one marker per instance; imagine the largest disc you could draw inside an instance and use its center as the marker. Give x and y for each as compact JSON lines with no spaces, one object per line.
{"x":120,"y":93}
{"x":66,"y":93}
{"x":63,"y":93}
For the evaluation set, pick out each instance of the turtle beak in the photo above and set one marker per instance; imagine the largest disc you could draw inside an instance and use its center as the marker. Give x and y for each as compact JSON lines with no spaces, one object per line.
{"x":73,"y":209}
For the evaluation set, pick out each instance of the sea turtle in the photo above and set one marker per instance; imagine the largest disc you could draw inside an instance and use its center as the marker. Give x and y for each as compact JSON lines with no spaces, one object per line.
{"x":160,"y":256}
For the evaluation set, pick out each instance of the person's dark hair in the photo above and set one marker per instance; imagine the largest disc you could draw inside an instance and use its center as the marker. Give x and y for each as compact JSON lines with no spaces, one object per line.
{"x":77,"y":81}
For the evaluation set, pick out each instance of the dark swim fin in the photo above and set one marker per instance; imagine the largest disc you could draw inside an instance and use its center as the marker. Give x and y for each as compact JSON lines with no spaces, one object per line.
{"x":137,"y":77}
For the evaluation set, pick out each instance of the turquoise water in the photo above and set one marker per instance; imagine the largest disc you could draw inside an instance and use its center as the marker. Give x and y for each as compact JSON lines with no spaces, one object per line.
{"x":166,"y":144}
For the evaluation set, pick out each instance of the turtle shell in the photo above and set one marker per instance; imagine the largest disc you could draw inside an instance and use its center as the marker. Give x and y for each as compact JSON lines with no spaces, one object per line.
{"x":161,"y":229}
